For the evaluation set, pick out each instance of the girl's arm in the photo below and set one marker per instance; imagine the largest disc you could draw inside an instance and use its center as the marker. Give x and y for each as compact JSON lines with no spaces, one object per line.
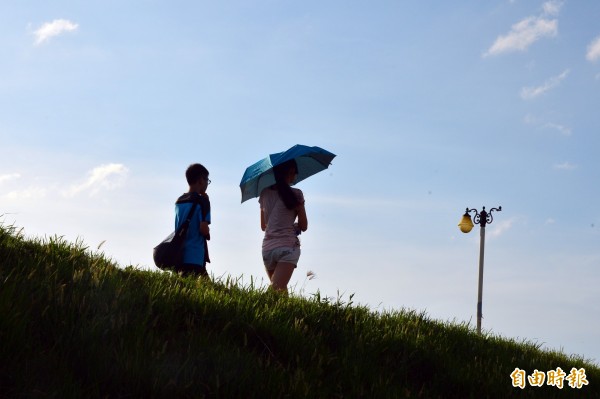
{"x":263,"y":223}
{"x":302,"y":220}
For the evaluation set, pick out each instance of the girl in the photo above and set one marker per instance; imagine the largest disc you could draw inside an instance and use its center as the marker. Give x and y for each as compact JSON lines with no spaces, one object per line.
{"x":280,"y":205}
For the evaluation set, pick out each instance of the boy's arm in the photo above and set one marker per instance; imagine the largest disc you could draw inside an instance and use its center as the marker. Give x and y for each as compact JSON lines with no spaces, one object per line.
{"x":205,"y":207}
{"x":205,"y":230}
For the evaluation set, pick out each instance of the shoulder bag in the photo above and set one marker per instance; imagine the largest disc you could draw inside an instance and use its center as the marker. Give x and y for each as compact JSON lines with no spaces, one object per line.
{"x":169,"y":253}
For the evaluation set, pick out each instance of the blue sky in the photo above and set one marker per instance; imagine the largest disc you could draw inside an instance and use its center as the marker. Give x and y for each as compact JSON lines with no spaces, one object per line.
{"x":431,"y":107}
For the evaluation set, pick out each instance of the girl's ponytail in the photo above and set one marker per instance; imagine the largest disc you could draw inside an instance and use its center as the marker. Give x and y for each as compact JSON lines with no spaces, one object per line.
{"x":283,"y":188}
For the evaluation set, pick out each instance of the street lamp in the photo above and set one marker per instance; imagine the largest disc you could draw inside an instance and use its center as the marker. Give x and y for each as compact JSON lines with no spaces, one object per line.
{"x":466,"y":225}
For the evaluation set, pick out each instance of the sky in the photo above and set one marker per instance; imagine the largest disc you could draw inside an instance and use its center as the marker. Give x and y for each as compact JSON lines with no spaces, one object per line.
{"x":431,"y":107}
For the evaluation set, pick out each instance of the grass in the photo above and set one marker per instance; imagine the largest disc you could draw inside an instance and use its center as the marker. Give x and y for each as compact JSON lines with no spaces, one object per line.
{"x":75,"y":325}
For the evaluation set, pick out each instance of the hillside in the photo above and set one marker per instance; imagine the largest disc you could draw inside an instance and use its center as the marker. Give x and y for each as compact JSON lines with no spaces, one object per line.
{"x":75,"y":325}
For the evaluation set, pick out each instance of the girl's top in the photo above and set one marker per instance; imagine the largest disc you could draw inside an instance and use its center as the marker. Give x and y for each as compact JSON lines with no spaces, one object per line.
{"x":279,"y":220}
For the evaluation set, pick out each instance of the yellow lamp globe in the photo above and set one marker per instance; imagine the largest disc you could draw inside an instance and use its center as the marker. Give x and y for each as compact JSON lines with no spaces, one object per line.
{"x":466,"y":224}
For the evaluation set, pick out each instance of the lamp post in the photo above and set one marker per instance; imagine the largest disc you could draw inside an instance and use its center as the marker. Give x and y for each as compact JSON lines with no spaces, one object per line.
{"x":466,"y":225}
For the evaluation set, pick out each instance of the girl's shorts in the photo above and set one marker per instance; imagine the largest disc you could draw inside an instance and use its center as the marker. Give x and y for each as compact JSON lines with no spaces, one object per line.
{"x":283,"y":254}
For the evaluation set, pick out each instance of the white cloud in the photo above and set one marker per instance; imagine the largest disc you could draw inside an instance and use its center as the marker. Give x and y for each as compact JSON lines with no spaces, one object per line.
{"x":108,"y":177}
{"x":552,"y":7}
{"x":28,"y":193}
{"x":593,"y":50}
{"x":530,"y":119}
{"x":565,"y":166}
{"x":528,"y":93}
{"x":523,"y":34}
{"x":564,"y":130}
{"x":54,"y":28}
{"x":10,"y":176}
{"x":501,"y":227}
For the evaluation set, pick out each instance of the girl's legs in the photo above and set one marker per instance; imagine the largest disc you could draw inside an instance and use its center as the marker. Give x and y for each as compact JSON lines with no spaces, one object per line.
{"x":281,"y":276}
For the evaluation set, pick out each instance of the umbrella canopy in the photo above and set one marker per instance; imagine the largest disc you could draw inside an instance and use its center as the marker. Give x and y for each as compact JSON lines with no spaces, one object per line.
{"x":310,"y":160}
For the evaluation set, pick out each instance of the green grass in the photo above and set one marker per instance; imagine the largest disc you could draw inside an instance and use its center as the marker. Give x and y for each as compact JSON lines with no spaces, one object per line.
{"x":75,"y":325}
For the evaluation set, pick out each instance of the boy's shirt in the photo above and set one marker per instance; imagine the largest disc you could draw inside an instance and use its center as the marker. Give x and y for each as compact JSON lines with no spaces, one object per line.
{"x":195,"y":248}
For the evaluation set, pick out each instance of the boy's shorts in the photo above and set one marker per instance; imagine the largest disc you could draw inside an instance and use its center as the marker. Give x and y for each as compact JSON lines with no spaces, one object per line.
{"x":283,"y":254}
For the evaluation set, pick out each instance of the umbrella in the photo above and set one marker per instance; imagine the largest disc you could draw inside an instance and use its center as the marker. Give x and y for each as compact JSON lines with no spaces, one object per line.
{"x":310,"y":160}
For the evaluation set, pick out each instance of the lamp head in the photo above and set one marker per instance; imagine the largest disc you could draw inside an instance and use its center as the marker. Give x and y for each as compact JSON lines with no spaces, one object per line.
{"x":466,"y":224}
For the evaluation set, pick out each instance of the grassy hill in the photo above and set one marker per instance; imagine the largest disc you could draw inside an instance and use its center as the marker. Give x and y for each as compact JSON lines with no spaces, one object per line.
{"x":74,"y":325}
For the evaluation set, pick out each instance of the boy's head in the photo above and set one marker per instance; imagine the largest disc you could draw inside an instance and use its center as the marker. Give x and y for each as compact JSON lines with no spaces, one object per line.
{"x":196,"y":175}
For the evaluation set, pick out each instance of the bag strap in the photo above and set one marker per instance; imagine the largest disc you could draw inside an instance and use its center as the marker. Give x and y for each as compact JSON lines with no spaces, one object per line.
{"x":182,"y":231}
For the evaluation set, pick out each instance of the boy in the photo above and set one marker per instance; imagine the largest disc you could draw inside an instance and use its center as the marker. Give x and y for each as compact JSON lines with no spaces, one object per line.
{"x":195,"y":250}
